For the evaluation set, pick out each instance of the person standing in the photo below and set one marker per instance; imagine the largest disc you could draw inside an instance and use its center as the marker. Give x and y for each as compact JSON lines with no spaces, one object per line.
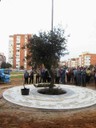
{"x":31,"y":76}
{"x":38,"y":74}
{"x":95,"y":76}
{"x":63,"y":75}
{"x":57,"y":77}
{"x":83,"y":77}
{"x":88,"y":75}
{"x":26,"y":76}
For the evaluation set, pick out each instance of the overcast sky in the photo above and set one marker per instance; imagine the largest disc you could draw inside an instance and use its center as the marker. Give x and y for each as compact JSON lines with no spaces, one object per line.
{"x":77,"y":17}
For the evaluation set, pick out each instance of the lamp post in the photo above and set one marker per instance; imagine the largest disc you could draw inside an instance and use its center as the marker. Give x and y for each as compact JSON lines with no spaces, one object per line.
{"x":52,"y":15}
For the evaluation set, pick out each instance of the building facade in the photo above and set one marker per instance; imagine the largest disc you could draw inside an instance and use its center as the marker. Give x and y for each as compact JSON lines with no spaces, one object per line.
{"x":73,"y":62}
{"x":87,"y":59}
{"x":17,"y":55}
{"x":83,"y":60}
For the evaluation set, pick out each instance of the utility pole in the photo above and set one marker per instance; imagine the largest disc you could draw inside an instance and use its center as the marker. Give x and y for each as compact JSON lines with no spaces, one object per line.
{"x":52,"y":15}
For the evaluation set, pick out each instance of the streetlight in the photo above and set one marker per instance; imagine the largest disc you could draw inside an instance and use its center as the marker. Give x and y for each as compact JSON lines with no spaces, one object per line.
{"x":52,"y":15}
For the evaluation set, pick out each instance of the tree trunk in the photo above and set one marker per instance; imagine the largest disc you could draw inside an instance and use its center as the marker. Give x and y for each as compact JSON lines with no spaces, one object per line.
{"x":52,"y":73}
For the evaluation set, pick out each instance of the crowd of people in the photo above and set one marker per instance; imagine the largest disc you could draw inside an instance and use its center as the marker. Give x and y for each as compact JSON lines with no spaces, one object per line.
{"x":79,"y":76}
{"x":36,"y":76}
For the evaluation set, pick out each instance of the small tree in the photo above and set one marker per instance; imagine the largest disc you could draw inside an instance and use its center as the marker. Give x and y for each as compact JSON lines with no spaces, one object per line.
{"x":22,"y":67}
{"x":5,"y":65}
{"x":8,"y":65}
{"x":47,"y":48}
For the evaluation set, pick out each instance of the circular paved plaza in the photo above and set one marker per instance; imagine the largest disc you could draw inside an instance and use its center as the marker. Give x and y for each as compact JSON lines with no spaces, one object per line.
{"x":76,"y":97}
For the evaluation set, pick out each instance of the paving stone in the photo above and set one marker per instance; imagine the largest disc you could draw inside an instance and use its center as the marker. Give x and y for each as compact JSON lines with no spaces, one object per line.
{"x":76,"y":97}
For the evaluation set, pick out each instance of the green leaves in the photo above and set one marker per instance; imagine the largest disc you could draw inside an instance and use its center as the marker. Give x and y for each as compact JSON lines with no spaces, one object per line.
{"x":47,"y":47}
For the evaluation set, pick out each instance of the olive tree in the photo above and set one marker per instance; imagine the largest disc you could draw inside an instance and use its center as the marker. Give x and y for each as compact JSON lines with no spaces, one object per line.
{"x":47,"y":48}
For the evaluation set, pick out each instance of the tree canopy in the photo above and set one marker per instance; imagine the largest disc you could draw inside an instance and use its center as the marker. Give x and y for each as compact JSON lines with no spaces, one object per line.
{"x":47,"y":47}
{"x":5,"y":65}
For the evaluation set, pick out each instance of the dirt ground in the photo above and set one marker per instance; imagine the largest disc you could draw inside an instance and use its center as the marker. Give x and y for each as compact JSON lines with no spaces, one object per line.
{"x":14,"y":116}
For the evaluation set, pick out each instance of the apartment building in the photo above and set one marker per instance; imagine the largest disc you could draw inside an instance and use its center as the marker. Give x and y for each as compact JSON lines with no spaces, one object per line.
{"x":87,"y":59}
{"x":73,"y":62}
{"x":17,"y":55}
{"x":2,"y":58}
{"x":83,"y":60}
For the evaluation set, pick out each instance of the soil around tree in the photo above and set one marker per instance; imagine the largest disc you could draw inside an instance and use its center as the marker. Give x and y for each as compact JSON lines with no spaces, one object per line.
{"x":52,"y":91}
{"x":15,"y":116}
